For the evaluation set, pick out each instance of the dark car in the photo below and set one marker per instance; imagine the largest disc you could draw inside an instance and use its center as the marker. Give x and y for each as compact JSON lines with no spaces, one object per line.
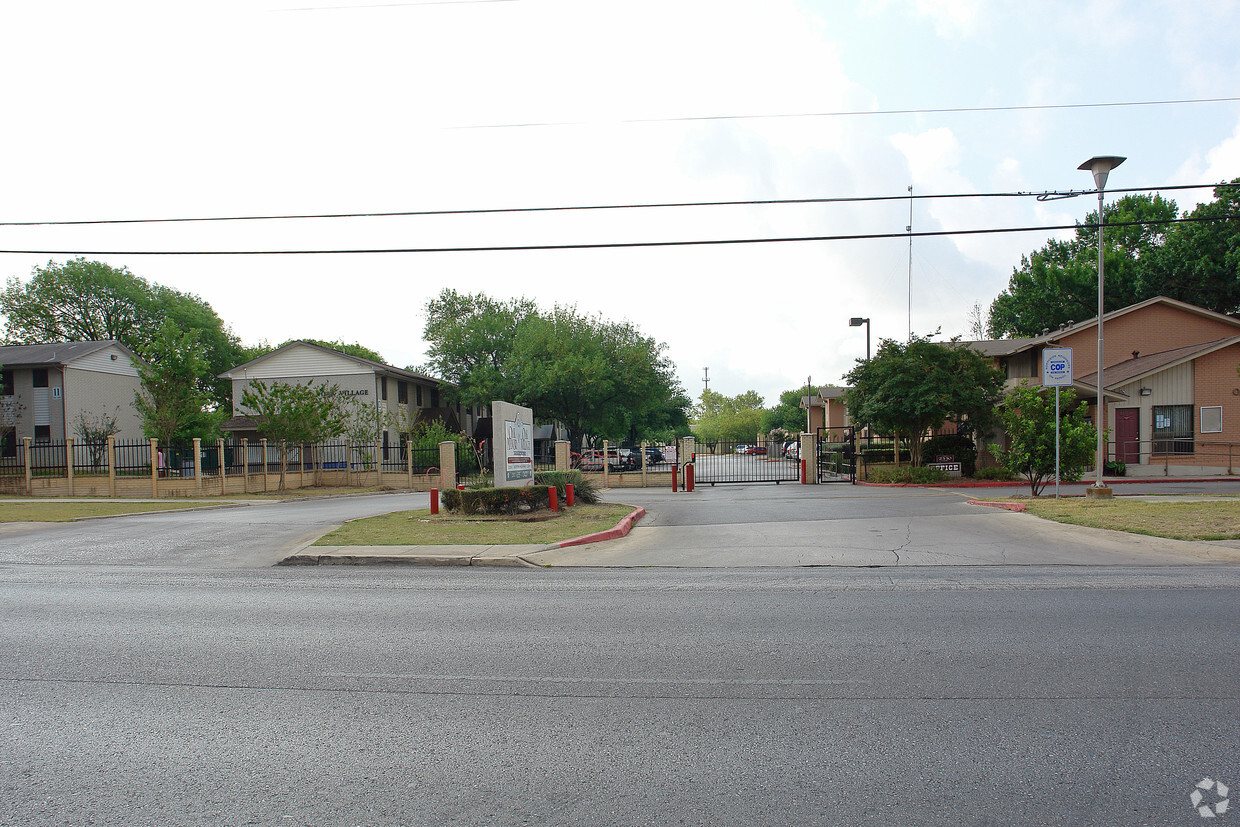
{"x":653,"y":455}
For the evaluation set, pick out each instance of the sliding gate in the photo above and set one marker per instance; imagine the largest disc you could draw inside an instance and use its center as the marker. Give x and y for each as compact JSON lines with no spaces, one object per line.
{"x":837,"y":455}
{"x":717,"y":462}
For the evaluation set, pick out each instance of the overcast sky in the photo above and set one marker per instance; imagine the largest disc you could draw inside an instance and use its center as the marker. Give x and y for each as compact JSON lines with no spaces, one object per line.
{"x":271,"y":107}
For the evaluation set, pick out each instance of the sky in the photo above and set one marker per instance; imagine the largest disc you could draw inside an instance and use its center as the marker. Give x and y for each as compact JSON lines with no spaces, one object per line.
{"x":294,"y":107}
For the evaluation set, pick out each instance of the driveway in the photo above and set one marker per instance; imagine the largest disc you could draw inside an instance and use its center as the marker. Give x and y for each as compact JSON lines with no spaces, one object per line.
{"x":843,"y":525}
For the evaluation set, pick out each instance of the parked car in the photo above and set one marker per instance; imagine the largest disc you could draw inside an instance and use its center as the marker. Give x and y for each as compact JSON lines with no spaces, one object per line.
{"x":653,"y":455}
{"x":757,"y":449}
{"x":622,"y":459}
{"x":744,"y":449}
{"x":590,"y":461}
{"x":792,"y":450}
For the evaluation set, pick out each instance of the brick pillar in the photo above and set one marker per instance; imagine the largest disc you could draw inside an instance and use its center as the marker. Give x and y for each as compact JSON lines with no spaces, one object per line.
{"x":245,"y":466}
{"x":219,"y":446}
{"x":642,"y":448}
{"x":69,"y":462}
{"x":563,"y":455}
{"x":155,"y":468}
{"x":606,"y":461}
{"x":111,"y":466}
{"x":198,"y":464}
{"x":409,"y":461}
{"x":265,"y":464}
{"x":447,"y":465}
{"x":29,"y":454}
{"x":809,"y":455}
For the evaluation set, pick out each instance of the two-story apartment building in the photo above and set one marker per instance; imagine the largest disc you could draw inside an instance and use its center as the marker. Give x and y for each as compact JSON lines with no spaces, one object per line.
{"x":50,"y":388}
{"x":395,"y":393}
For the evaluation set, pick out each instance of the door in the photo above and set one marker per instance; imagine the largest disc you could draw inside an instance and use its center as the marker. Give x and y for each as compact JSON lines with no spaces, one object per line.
{"x":1128,"y":435}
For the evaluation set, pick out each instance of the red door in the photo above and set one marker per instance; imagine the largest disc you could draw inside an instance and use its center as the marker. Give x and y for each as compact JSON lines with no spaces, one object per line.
{"x":1128,"y":435}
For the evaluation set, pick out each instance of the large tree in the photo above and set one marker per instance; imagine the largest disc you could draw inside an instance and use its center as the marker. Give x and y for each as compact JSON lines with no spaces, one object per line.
{"x":82,"y":300}
{"x":598,"y":378}
{"x":1058,"y":284}
{"x":1028,"y":416}
{"x":719,"y":418}
{"x":293,"y":414}
{"x":910,"y":388}
{"x":788,"y":413}
{"x":173,"y":400}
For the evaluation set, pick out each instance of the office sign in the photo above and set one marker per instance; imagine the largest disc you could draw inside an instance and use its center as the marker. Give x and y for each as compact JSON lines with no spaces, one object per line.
{"x":513,"y":445}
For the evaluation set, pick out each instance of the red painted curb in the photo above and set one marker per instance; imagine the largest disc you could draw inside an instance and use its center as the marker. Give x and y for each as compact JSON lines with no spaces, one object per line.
{"x":622,"y":528}
{"x":1008,"y":506}
{"x":1025,"y":483}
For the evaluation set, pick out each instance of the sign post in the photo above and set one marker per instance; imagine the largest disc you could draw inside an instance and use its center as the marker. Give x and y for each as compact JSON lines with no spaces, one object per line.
{"x":1057,"y":373}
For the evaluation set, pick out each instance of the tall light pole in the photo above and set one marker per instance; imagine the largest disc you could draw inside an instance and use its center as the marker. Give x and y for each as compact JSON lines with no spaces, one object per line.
{"x":1100,"y":166}
{"x":857,"y":321}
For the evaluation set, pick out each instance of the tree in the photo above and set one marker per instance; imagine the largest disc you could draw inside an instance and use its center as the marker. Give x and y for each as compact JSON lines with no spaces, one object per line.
{"x":1029,"y":418}
{"x":1059,"y":283}
{"x":84,"y":300}
{"x":294,"y":414}
{"x":910,"y":388}
{"x":173,"y":401}
{"x":719,"y":418}
{"x":788,"y":415}
{"x":1200,"y":261}
{"x":93,"y":430}
{"x":598,"y":378}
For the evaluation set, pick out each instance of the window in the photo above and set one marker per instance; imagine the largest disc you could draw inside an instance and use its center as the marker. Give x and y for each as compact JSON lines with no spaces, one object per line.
{"x":6,"y":379}
{"x":1212,"y":420}
{"x":383,"y":388}
{"x":402,"y":392}
{"x":1173,"y":429}
{"x":434,"y":397}
{"x":419,"y":387}
{"x":42,"y":433}
{"x":8,"y":445}
{"x":40,"y":377}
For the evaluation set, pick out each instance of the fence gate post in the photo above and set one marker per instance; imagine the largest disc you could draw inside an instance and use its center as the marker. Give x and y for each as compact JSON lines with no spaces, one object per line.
{"x":447,"y":465}
{"x":111,"y":466}
{"x":29,"y":454}
{"x":606,"y":461}
{"x":69,"y":462}
{"x":155,"y":468}
{"x":245,"y":466}
{"x":265,"y":465}
{"x":563,"y":451}
{"x":409,"y":461}
{"x":219,"y":447}
{"x":809,"y":456}
{"x":198,"y":464}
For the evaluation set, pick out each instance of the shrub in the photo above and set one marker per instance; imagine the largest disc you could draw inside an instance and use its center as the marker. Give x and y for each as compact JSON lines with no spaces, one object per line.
{"x":875,"y":455}
{"x":957,"y":445}
{"x":994,"y":472}
{"x":1114,"y":468}
{"x":496,"y":501}
{"x":906,"y":475}
{"x":584,"y":489}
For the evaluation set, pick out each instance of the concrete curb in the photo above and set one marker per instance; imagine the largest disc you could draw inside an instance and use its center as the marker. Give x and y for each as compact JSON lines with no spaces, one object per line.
{"x":1007,"y":506}
{"x":1018,"y":483}
{"x":621,"y":528}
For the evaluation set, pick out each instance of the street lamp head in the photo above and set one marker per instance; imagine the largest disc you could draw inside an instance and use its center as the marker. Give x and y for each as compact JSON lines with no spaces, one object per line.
{"x":1099,"y":166}
{"x":857,"y":321}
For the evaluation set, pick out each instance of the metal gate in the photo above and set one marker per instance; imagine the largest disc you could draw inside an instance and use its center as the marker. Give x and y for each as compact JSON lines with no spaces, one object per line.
{"x":719,"y":462}
{"x":837,"y":455}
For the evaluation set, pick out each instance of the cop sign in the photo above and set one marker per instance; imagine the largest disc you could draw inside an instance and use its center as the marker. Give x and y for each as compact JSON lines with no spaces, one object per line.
{"x":1057,"y":367}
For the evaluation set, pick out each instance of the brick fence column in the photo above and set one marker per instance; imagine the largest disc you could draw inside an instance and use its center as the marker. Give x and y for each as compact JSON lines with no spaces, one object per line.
{"x":69,"y":462}
{"x":155,"y":468}
{"x":447,"y":465}
{"x":809,"y":455}
{"x":198,"y":464}
{"x":111,"y":466}
{"x":29,"y":455}
{"x":563,"y":455}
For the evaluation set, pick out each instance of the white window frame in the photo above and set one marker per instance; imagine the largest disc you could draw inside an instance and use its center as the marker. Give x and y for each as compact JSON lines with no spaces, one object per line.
{"x":1219,"y":420}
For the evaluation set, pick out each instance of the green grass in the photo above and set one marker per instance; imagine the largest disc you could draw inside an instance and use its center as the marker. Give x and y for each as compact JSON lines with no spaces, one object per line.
{"x":1177,"y":520}
{"x":419,"y":528}
{"x":18,"y":511}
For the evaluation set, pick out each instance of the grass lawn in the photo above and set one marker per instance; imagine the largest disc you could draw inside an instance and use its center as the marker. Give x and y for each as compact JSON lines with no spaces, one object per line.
{"x":419,"y":528}
{"x":1177,"y":520}
{"x":17,"y":511}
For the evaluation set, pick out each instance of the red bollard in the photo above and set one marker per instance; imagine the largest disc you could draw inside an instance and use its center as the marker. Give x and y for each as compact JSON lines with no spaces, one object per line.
{"x":553,"y":498}
{"x":461,"y":487}
{"x":434,"y":500}
{"x":674,"y":489}
{"x":689,"y":477}
{"x":568,"y":493}
{"x":802,"y":472}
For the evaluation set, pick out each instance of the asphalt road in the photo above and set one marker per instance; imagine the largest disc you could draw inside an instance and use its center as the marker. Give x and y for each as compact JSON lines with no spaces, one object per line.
{"x":913,"y":696}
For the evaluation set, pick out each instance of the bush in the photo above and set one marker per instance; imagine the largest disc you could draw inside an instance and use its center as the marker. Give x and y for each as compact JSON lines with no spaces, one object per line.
{"x":496,"y":501}
{"x":995,"y":472}
{"x":906,"y":475}
{"x":1114,"y":468}
{"x":957,"y":445}
{"x":584,"y":489}
{"x":877,"y":455}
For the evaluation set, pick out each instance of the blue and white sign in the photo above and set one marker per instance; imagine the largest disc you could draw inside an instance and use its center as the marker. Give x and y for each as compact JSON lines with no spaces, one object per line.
{"x":1057,"y":367}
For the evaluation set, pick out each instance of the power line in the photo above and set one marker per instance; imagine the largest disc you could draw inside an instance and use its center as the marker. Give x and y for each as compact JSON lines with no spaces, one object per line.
{"x":582,"y":208}
{"x":611,"y":245}
{"x":854,"y":113}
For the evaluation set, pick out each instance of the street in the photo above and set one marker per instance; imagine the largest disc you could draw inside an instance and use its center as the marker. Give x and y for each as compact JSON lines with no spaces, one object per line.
{"x":428,"y":696}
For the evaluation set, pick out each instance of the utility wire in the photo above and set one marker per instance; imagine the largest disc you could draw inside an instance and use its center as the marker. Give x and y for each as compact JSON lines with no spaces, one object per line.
{"x":611,"y":245}
{"x":853,"y":113}
{"x":582,"y":208}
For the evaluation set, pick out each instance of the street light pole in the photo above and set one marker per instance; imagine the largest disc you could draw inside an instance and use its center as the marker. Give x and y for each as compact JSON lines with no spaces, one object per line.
{"x":1100,"y":166}
{"x":857,"y":321}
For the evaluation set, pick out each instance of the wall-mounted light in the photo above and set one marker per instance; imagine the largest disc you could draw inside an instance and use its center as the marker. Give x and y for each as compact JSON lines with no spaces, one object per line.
{"x":1146,"y":391}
